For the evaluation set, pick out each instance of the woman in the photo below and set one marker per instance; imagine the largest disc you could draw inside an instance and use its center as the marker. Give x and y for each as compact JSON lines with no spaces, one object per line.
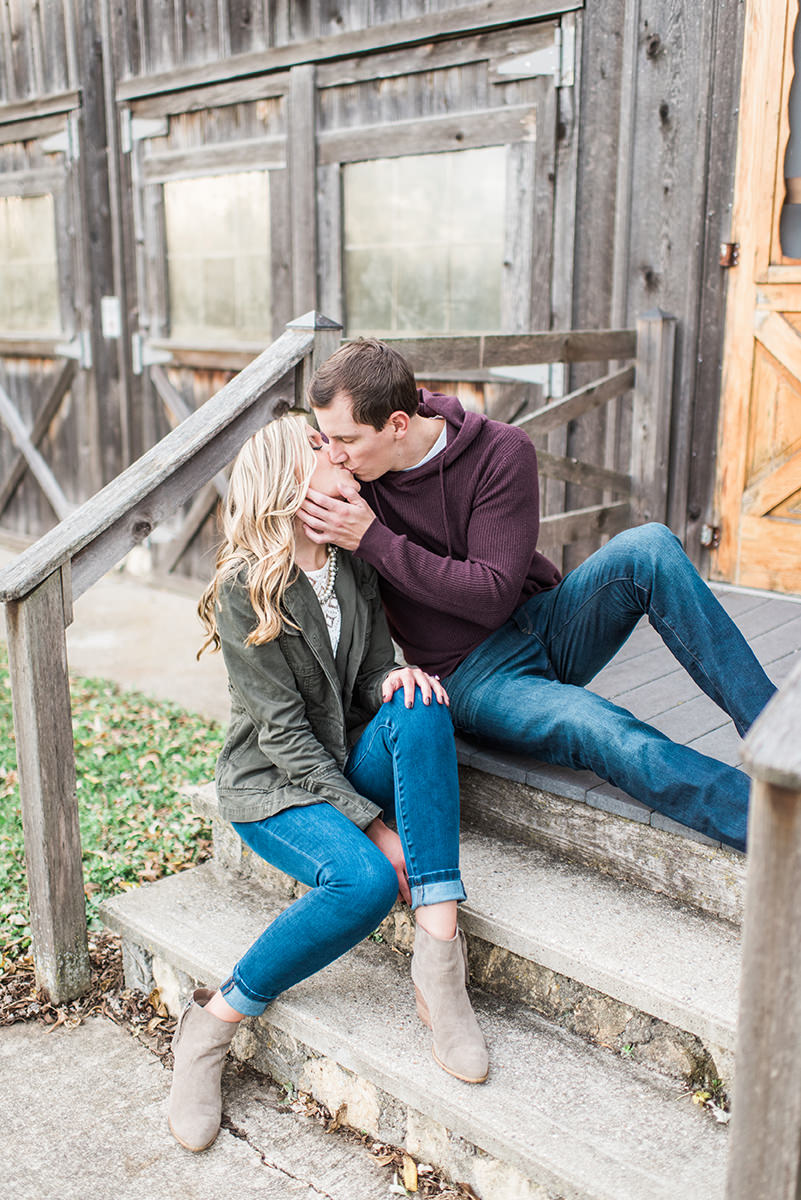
{"x":326,"y":735}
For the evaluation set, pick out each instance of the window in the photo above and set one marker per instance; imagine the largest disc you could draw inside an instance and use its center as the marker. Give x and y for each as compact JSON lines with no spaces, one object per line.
{"x":218,"y":257}
{"x":29,"y":300}
{"x":790,"y":225}
{"x":424,"y":242}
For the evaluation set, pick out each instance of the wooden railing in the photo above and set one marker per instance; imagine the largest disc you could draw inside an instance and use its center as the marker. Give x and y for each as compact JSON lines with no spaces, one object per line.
{"x":630,"y":497}
{"x":765,"y":1145}
{"x":39,"y":587}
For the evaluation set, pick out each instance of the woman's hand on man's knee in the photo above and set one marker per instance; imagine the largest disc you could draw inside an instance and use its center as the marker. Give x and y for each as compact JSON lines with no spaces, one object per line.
{"x":390,"y":846}
{"x":410,"y":678}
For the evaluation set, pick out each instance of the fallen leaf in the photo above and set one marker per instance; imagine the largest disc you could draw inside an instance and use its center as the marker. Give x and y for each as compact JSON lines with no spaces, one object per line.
{"x":339,"y":1119}
{"x":409,"y":1173}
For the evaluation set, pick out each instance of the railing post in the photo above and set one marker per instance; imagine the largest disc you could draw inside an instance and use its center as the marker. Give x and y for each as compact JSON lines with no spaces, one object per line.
{"x":327,"y":336}
{"x":765,"y":1143}
{"x":650,"y":423}
{"x":37,"y":650}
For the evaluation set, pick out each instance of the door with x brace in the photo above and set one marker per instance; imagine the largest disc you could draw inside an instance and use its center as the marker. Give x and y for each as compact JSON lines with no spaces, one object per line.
{"x":48,"y":428}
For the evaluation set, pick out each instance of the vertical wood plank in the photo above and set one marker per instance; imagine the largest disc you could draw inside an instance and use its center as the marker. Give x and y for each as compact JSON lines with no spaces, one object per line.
{"x":650,"y":432}
{"x":327,"y":337}
{"x":280,"y":251}
{"x":329,"y":240}
{"x":301,"y":154}
{"x":702,"y":437}
{"x":43,"y":724}
{"x":763,"y":1146}
{"x":118,"y":222}
{"x":120,"y":373}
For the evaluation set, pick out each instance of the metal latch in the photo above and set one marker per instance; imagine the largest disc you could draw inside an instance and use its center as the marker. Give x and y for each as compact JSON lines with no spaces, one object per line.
{"x":710,"y":536}
{"x":729,"y":254}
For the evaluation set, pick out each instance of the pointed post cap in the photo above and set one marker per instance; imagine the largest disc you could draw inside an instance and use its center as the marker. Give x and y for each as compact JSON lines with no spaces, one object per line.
{"x":313,"y":320}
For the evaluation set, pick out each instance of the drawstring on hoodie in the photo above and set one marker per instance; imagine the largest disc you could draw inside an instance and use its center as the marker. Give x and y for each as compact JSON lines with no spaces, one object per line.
{"x":444,"y":509}
{"x":376,"y":498}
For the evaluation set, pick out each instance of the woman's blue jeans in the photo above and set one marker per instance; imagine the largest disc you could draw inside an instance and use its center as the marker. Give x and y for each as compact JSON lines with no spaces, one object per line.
{"x":523,"y":688}
{"x":405,"y":761}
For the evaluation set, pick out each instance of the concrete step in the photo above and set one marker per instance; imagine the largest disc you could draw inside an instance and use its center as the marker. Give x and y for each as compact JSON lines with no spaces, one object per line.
{"x":621,"y":965}
{"x":558,"y":1118}
{"x":578,"y":816}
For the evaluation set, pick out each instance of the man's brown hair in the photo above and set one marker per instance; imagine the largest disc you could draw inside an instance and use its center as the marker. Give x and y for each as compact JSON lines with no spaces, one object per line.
{"x":378,"y":380}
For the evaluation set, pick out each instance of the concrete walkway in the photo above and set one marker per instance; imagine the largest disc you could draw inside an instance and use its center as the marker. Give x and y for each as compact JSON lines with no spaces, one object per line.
{"x":83,"y":1114}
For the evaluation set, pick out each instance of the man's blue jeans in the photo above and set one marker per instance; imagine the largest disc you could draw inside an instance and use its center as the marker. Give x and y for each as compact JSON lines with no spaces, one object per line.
{"x":405,"y":761}
{"x":523,"y":688}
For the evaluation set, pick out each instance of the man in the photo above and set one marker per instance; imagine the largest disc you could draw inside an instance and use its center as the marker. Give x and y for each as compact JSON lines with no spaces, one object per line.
{"x":449,"y":517}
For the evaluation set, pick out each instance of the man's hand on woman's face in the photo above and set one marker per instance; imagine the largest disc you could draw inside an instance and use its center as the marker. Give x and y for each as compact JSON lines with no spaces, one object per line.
{"x":329,"y":519}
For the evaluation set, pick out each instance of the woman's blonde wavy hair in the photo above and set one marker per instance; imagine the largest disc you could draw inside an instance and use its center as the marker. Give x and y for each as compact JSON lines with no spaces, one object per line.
{"x":269,"y":481}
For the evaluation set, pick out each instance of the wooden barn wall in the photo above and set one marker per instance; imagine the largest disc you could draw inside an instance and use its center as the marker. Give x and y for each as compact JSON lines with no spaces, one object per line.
{"x":52,"y":95}
{"x":664,"y":166}
{"x":643,"y":151}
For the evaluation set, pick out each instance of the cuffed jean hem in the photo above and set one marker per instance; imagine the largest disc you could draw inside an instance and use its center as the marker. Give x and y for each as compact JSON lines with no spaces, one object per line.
{"x":434,"y":889}
{"x":248,"y":1006}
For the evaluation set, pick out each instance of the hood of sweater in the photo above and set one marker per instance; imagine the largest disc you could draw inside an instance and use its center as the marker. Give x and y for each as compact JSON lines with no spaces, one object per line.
{"x":463,"y":427}
{"x":455,"y":540}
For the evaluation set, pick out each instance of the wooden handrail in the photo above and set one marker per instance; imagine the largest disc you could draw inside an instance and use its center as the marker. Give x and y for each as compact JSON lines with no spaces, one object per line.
{"x":38,"y":589}
{"x":766,"y":1119}
{"x":133,"y":499}
{"x":475,"y":353}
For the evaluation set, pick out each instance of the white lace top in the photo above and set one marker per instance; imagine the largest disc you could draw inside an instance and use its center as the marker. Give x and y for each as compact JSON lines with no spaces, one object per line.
{"x":330,"y":607}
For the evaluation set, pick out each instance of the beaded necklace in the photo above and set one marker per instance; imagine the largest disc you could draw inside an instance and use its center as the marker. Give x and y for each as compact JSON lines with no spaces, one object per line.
{"x":325,"y":591}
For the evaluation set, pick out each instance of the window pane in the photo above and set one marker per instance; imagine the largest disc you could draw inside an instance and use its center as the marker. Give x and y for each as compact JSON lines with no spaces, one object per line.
{"x":424,"y":241}
{"x":28,"y":266}
{"x":218,"y":257}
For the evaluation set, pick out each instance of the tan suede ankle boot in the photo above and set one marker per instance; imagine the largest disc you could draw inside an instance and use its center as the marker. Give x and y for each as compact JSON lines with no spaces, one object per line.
{"x":199,"y":1046}
{"x":439,"y":974}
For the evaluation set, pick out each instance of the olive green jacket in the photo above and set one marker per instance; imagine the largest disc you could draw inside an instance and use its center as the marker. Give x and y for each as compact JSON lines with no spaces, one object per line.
{"x":295,"y":710}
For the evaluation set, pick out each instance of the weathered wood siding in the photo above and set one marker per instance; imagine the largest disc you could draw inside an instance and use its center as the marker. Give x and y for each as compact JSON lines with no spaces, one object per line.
{"x":620,"y":182}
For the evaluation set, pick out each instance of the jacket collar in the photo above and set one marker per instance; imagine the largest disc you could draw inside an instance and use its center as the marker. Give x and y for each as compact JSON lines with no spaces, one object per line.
{"x":304,"y":609}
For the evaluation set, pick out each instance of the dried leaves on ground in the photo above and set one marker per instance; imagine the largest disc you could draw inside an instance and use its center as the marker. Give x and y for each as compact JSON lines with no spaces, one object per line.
{"x":21,"y":1000}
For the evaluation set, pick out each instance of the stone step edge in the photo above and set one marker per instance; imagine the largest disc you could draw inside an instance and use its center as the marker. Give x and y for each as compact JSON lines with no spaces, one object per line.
{"x":662,"y":1031}
{"x":288,"y":1024}
{"x":710,"y":878}
{"x":584,"y":786}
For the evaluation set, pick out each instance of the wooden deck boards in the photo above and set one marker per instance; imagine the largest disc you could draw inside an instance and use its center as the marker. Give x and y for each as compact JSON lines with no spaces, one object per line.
{"x":646,"y":679}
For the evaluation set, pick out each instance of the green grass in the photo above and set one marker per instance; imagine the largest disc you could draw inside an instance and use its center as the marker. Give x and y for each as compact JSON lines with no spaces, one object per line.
{"x":131,"y":755}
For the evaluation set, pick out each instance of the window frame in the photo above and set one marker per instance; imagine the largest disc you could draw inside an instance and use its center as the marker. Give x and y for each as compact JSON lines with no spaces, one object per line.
{"x":30,"y":184}
{"x":151,"y":168}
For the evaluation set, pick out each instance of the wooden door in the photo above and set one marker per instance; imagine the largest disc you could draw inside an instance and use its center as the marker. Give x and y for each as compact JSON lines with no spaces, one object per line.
{"x":759,"y":451}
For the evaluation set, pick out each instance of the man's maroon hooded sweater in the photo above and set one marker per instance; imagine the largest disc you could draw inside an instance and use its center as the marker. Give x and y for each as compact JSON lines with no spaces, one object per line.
{"x":455,"y":539}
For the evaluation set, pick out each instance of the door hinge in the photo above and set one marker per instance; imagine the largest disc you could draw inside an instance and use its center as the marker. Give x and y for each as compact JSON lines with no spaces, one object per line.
{"x":134,"y":129}
{"x":729,"y":254}
{"x":557,"y":58}
{"x":80,"y":348}
{"x":67,"y":142}
{"x":144,"y":355}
